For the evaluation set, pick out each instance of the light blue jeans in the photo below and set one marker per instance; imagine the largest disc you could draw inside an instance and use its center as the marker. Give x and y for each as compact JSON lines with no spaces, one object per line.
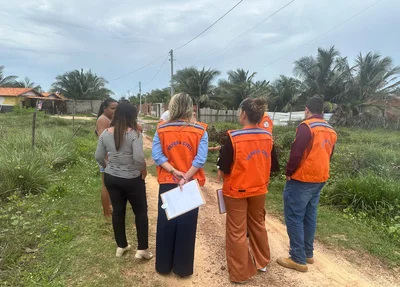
{"x":300,"y":201}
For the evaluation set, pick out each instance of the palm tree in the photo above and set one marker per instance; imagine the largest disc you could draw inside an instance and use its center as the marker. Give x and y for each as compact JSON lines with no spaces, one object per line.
{"x":26,"y":83}
{"x":81,"y":85}
{"x":237,"y":88}
{"x":285,"y":93}
{"x":323,"y":75}
{"x":196,"y":83}
{"x":6,"y":81}
{"x":372,"y":78}
{"x":260,"y":89}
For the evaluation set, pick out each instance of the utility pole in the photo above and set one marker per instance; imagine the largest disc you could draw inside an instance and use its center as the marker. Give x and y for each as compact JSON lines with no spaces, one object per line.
{"x":140,"y":98}
{"x":172,"y":71}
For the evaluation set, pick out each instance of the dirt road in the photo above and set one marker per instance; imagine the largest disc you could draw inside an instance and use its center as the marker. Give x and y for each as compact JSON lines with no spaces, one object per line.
{"x":330,"y":268}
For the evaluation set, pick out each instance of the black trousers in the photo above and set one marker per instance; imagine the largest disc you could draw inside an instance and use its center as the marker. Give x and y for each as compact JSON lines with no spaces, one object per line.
{"x":175,"y":240}
{"x":133,"y":190}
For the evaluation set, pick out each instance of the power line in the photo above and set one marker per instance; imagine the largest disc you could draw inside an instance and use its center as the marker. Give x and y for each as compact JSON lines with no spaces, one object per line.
{"x":319,"y":36}
{"x":139,"y":69}
{"x":245,"y":33}
{"x":179,"y":63}
{"x":180,"y":47}
{"x":162,"y":65}
{"x":209,"y":27}
{"x":323,"y":34}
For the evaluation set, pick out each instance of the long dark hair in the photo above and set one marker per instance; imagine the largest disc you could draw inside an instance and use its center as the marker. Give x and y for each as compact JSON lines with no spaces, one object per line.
{"x":125,"y":117}
{"x":104,"y":105}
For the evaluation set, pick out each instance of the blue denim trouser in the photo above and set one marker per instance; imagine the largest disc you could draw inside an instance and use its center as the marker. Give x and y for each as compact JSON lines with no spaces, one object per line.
{"x":300,"y":200}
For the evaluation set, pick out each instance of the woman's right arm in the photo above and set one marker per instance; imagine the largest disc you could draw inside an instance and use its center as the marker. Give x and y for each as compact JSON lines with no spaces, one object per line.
{"x":226,"y":157}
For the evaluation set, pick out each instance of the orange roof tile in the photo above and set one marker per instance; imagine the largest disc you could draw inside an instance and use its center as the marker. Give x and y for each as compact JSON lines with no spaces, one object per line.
{"x":13,"y":92}
{"x":46,"y":94}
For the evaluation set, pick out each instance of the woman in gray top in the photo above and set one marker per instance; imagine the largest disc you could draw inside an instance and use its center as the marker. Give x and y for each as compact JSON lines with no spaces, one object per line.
{"x":124,"y":176}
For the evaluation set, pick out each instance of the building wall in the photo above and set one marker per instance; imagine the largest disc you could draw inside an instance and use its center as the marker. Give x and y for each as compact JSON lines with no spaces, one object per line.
{"x":9,"y":101}
{"x":83,"y":107}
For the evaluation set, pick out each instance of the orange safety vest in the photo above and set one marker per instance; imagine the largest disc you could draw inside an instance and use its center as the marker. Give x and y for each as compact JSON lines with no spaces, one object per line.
{"x":180,"y":141}
{"x":266,"y":123}
{"x":314,"y":166}
{"x":251,"y":163}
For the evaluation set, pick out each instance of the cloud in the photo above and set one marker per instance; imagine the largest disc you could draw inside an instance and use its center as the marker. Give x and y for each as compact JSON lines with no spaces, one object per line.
{"x":48,"y":37}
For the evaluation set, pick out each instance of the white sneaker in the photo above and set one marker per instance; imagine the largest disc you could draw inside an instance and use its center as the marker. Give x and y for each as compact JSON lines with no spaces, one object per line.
{"x":140,"y":254}
{"x":121,"y":251}
{"x":263,"y":269}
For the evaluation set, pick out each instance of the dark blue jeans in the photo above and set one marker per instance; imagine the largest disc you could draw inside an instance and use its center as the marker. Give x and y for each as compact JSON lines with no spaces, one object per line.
{"x":300,"y":201}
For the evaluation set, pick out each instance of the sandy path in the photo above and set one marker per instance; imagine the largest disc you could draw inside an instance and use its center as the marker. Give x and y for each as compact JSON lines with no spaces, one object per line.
{"x":330,"y":269}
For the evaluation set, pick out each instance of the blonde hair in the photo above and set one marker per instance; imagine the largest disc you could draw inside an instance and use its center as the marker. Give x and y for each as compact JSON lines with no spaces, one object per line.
{"x":180,"y":107}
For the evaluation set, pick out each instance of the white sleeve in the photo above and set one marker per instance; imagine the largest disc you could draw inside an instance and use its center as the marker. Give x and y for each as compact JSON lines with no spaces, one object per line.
{"x":165,"y":116}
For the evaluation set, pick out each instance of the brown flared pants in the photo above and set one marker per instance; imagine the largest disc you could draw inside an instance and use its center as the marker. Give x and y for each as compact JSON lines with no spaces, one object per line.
{"x":246,"y":215}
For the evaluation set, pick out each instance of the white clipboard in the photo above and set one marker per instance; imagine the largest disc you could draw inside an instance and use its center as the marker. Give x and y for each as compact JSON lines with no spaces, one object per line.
{"x":177,"y":202}
{"x":221,"y":202}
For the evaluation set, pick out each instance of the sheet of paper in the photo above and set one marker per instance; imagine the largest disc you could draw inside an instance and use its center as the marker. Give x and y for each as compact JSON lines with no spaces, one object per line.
{"x":177,"y":202}
{"x":221,"y":202}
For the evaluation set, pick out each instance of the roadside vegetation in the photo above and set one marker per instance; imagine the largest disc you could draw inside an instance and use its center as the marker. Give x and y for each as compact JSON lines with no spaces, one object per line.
{"x":52,"y":232}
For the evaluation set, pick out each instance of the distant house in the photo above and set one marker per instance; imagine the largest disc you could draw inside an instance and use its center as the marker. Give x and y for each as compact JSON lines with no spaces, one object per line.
{"x":28,"y":97}
{"x":23,"y":97}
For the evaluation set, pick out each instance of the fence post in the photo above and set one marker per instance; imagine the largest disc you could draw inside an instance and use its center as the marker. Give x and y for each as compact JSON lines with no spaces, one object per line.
{"x":73,"y":118}
{"x":34,"y":125}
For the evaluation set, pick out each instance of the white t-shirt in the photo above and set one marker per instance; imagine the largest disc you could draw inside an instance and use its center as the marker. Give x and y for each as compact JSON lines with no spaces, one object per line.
{"x":165,"y":116}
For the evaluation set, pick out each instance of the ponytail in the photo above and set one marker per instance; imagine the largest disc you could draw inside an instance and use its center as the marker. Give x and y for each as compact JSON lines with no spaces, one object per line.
{"x":254,"y":109}
{"x":104,"y":104}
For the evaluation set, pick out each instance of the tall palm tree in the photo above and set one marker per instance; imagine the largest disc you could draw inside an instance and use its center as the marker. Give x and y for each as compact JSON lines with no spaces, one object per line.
{"x":323,"y":75}
{"x":197,"y":83}
{"x":237,"y":88}
{"x":6,"y":81}
{"x":26,"y":83}
{"x":81,"y":85}
{"x":285,"y":93}
{"x":372,"y":78}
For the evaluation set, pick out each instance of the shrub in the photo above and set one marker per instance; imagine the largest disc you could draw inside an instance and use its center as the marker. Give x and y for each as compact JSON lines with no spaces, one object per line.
{"x":22,"y":172}
{"x":370,"y":194}
{"x":18,"y":111}
{"x":27,"y":170}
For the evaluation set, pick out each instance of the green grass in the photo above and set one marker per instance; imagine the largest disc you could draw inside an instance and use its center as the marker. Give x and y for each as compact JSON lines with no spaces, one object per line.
{"x":58,"y":236}
{"x":55,"y":234}
{"x":147,"y":117}
{"x":360,"y":207}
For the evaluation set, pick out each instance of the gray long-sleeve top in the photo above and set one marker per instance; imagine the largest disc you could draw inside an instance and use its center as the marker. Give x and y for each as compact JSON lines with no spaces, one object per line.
{"x":125,"y":163}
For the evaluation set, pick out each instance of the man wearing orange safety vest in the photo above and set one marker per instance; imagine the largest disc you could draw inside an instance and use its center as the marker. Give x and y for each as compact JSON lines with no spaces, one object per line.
{"x":307,"y":172}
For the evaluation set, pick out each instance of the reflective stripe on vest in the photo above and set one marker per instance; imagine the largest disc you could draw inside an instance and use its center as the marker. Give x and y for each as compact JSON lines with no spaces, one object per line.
{"x":180,"y":141}
{"x":266,"y":123}
{"x":315,"y":164}
{"x":251,"y":163}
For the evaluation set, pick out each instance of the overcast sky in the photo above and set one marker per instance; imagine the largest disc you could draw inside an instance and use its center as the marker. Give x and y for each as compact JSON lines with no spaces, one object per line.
{"x":43,"y":38}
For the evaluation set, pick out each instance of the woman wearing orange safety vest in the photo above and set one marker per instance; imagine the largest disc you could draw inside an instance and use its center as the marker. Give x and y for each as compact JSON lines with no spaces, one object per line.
{"x":246,"y":161}
{"x":180,"y":148}
{"x":307,"y":172}
{"x":266,"y":123}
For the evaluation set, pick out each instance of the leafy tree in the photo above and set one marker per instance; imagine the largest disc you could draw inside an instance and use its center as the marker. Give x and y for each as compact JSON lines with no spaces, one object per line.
{"x":81,"y":85}
{"x":6,"y":81}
